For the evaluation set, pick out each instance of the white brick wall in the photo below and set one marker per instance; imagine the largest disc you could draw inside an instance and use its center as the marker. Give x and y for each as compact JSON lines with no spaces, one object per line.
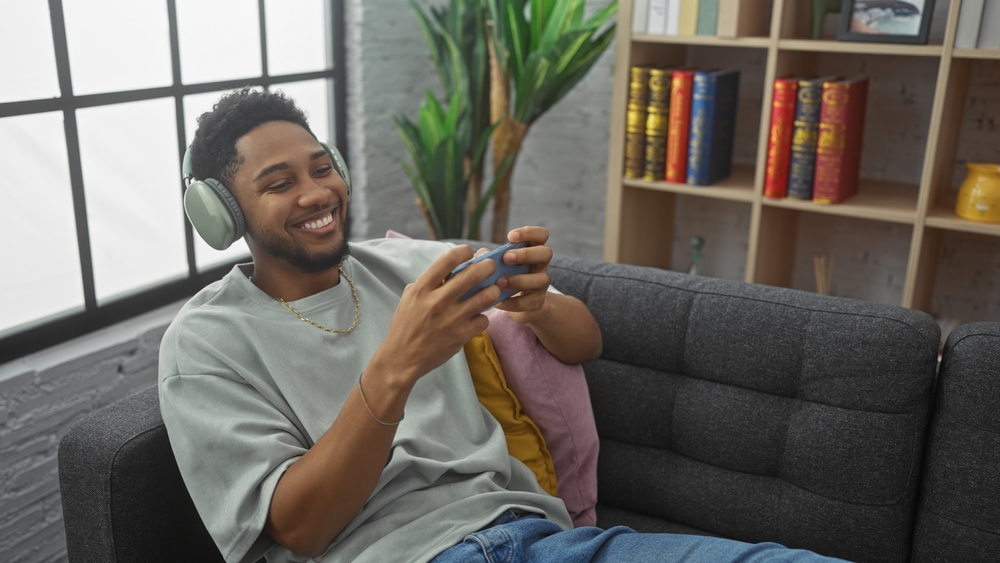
{"x":41,"y":396}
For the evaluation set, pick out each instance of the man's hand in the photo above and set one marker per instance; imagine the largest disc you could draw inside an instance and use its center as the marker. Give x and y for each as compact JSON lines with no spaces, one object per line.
{"x":530,"y":303}
{"x":430,"y":324}
{"x":562,"y":323}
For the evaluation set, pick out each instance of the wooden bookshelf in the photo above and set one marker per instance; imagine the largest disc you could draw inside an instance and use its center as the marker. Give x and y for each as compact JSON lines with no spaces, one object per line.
{"x":639,"y":226}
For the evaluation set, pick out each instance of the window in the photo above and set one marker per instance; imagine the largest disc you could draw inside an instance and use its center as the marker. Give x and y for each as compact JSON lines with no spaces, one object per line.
{"x":99,"y":101}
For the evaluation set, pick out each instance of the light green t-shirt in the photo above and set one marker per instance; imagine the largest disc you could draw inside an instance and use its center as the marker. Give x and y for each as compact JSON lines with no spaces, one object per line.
{"x":246,"y":388}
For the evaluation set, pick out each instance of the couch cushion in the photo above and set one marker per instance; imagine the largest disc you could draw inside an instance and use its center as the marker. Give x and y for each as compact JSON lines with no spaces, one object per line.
{"x":958,"y":518}
{"x":758,"y":413}
{"x":556,"y":397}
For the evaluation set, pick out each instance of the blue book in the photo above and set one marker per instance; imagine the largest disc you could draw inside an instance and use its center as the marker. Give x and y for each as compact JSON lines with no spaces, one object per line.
{"x":713,"y":126}
{"x":805,"y":132}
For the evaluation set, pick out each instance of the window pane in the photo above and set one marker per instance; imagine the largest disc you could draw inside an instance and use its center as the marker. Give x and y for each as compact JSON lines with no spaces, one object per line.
{"x":132,"y":182}
{"x":117,"y":45}
{"x":313,"y":96}
{"x":206,"y":256}
{"x":27,"y":58}
{"x":40,"y":256}
{"x":296,"y":36}
{"x":219,"y":40}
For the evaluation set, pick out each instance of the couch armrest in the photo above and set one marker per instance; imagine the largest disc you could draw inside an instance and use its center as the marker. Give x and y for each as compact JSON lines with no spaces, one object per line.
{"x":122,"y":494}
{"x":959,"y":515}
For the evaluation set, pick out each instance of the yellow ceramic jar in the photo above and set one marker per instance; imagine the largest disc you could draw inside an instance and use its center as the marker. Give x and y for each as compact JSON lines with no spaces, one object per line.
{"x":979,"y":195}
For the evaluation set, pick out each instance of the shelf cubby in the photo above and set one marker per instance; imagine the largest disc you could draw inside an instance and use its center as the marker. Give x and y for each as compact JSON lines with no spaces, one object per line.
{"x":930,"y":110}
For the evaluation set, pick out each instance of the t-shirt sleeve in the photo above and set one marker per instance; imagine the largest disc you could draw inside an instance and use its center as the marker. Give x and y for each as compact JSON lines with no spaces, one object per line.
{"x":232,"y":446}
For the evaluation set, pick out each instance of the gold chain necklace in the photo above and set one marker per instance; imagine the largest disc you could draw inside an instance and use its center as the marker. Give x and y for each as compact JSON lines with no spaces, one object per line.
{"x":357,"y":309}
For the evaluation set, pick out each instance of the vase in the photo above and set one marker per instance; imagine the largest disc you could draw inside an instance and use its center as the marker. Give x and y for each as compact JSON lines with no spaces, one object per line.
{"x":979,"y":195}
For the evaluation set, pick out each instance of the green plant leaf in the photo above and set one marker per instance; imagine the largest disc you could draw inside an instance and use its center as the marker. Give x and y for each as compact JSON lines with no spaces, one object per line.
{"x":477,"y":214}
{"x":424,"y":194}
{"x":578,"y":69}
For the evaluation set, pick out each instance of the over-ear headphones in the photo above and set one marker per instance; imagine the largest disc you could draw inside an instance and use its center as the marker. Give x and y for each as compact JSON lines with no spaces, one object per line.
{"x":213,"y":210}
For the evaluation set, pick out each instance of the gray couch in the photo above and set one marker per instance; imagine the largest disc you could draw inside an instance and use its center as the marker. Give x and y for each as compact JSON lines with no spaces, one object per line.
{"x":724,"y":408}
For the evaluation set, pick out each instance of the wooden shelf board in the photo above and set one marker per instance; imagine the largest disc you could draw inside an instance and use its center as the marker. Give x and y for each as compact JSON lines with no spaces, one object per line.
{"x":976,"y":54}
{"x":881,"y":201}
{"x":860,"y":48}
{"x":737,"y":187}
{"x":945,"y":218}
{"x":707,"y":40}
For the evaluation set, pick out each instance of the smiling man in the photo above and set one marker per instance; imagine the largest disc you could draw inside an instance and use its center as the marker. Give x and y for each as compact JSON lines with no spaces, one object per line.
{"x":317,"y":401}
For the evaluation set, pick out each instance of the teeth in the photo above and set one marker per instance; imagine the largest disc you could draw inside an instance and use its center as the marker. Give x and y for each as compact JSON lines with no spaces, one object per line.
{"x":319,"y":222}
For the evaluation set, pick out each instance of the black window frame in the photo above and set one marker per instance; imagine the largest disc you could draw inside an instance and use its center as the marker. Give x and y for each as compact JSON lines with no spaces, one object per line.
{"x":38,"y":335}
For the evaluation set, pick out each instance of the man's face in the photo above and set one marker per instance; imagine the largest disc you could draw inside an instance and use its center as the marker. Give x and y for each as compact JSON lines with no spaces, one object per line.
{"x":294,"y":201}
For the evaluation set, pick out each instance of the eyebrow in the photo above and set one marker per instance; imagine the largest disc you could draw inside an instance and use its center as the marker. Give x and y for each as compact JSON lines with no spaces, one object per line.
{"x":284,"y":165}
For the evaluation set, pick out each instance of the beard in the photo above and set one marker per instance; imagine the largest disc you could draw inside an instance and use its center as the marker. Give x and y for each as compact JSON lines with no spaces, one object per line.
{"x":297,"y":258}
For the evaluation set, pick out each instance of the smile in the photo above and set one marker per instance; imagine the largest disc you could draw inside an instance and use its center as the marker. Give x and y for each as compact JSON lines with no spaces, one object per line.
{"x":318,"y":223}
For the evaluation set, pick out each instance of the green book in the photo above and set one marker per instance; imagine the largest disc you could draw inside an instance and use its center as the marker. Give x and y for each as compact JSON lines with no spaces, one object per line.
{"x":708,"y":16}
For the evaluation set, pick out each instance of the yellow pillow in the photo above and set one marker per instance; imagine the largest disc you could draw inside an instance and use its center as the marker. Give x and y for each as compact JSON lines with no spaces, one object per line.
{"x":524,"y":439}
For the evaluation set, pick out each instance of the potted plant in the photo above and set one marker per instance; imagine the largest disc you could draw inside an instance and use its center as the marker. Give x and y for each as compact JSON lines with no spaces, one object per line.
{"x":534,"y":62}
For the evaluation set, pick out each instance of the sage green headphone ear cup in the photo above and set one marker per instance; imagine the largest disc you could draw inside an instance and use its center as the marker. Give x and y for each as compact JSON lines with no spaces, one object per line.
{"x":338,"y":163}
{"x":213,"y":211}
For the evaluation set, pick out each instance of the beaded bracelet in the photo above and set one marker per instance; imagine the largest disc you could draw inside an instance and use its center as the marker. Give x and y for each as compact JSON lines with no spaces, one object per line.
{"x":363,"y":400}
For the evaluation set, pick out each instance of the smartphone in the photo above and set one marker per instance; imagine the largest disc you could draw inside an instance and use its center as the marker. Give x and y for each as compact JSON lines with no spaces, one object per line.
{"x":502,"y":270}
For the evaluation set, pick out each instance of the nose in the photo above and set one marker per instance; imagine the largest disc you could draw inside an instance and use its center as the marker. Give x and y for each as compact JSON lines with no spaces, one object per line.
{"x":313,"y":193}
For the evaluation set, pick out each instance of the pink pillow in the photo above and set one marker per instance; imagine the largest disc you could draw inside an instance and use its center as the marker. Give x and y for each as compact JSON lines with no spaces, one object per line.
{"x":555,"y":396}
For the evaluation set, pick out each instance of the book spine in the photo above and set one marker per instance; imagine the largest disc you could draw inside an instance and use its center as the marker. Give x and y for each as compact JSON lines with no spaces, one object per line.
{"x":804,"y":134}
{"x":702,"y":107}
{"x":656,"y":17}
{"x":728,"y":18}
{"x":967,"y":33}
{"x":989,"y":28}
{"x":635,"y":121}
{"x":657,"y":114}
{"x":722,"y":130}
{"x":838,"y":151}
{"x":680,"y":123}
{"x":779,"y":144}
{"x":640,"y":13}
{"x":708,"y":17}
{"x":673,"y":16}
{"x":688,"y":24}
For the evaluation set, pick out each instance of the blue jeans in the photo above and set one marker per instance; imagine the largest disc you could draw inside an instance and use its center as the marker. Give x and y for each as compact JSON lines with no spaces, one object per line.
{"x":513,"y":539}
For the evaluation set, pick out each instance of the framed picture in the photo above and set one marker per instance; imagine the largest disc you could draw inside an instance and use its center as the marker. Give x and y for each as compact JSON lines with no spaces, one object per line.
{"x":885,"y":21}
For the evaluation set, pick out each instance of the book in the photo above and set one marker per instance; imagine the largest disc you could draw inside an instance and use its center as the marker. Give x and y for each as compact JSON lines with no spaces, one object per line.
{"x":673,"y":16}
{"x":779,"y":144}
{"x":742,"y":18}
{"x":708,"y":17}
{"x":640,"y":13}
{"x":838,"y":150}
{"x":656,"y":17}
{"x":635,"y":121}
{"x":989,"y":27}
{"x":805,"y":132}
{"x":657,"y":114}
{"x":688,"y":22}
{"x":678,"y":129}
{"x":967,"y":33}
{"x":714,"y":95}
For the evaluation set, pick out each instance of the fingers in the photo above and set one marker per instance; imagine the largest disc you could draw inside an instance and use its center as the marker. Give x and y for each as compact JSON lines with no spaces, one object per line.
{"x":533,"y":235}
{"x":440,"y":268}
{"x":525,"y":282}
{"x":534,"y":255}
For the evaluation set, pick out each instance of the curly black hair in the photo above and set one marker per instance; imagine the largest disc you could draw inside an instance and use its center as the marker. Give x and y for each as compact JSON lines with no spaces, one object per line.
{"x":213,"y":151}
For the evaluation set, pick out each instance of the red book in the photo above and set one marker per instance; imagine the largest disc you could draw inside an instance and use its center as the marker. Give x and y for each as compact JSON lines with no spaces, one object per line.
{"x":838,"y":150}
{"x":679,"y":124}
{"x":779,"y":144}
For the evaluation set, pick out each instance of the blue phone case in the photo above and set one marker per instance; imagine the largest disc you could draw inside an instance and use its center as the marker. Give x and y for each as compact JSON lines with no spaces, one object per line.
{"x":502,"y":270}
